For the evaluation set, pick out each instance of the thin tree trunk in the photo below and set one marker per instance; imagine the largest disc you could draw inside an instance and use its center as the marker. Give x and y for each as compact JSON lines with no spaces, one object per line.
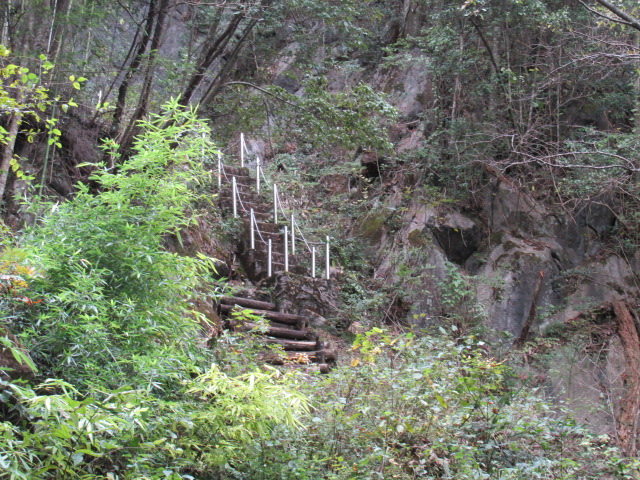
{"x":133,"y":68}
{"x":637,"y":88}
{"x":627,"y":421}
{"x":61,"y":10}
{"x":208,"y":57}
{"x":143,"y":100}
{"x":7,"y":152}
{"x":218,"y":81}
{"x":5,"y":38}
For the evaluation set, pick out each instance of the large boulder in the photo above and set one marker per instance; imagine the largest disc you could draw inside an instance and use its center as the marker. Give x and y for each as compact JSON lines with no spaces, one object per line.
{"x":509,"y":277}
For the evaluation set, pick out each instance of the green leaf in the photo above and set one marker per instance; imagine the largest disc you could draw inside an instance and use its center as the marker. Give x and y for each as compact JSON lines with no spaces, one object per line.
{"x":441,"y":401}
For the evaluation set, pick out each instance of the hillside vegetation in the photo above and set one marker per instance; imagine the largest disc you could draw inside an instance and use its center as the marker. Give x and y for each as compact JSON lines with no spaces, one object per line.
{"x":474,"y":162}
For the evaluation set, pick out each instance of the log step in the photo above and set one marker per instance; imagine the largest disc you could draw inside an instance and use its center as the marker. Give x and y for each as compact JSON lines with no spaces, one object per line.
{"x":294,"y":345}
{"x":276,"y":332}
{"x":249,"y":303}
{"x":316,"y":355}
{"x":286,"y":318}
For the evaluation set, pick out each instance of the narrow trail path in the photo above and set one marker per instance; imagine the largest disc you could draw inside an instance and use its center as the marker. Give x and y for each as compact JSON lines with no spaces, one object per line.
{"x":264,"y":251}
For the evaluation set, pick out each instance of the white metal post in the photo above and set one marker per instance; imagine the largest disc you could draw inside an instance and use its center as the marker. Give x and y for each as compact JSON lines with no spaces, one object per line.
{"x":253,"y":232}
{"x":293,"y":236}
{"x":242,"y":149}
{"x":258,"y":174}
{"x":219,"y":170}
{"x":327,"y":260}
{"x":269,"y":261}
{"x":313,"y":262}
{"x":286,"y":249}
{"x":234,"y":192}
{"x":275,"y":203}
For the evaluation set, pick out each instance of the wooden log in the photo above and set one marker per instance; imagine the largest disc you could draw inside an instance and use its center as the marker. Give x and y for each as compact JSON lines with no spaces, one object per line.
{"x":293,"y":345}
{"x":288,"y":333}
{"x":322,"y":356}
{"x":248,"y":302}
{"x":627,"y":418}
{"x":287,"y":318}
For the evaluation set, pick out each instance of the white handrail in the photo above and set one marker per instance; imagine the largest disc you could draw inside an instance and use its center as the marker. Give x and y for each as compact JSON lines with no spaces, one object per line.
{"x":258,"y":229}
{"x":293,"y":236}
{"x":284,"y":214}
{"x":303,"y":237}
{"x":327,"y":263}
{"x":253,"y":233}
{"x":258,"y":174}
{"x":286,"y":249}
{"x":275,"y":203}
{"x":244,"y":209}
{"x":269,"y":261}
{"x":234,"y":193}
{"x":242,"y":149}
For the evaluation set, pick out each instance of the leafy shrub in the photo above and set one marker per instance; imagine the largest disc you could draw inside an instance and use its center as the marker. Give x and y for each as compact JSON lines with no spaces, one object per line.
{"x":113,"y":299}
{"x":108,"y":319}
{"x":132,"y":434}
{"x":433,"y":408}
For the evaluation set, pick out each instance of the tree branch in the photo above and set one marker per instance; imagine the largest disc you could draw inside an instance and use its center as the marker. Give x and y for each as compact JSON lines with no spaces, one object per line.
{"x":595,"y":12}
{"x":632,"y":21}
{"x":263,"y":90}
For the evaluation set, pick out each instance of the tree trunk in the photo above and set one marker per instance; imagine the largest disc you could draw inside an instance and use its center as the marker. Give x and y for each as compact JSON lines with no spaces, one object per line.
{"x":7,"y":152}
{"x":61,"y":10}
{"x":218,"y":81}
{"x":626,"y":17}
{"x":5,"y":38}
{"x":208,"y":57}
{"x":636,"y":122}
{"x":143,"y":99}
{"x":627,"y":421}
{"x":131,"y":71}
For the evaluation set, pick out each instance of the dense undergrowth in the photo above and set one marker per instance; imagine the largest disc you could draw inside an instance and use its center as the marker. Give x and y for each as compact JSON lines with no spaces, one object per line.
{"x":123,"y":390}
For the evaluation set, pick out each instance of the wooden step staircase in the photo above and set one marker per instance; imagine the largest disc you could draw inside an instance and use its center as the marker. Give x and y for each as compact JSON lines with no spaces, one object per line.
{"x":291,"y":332}
{"x":299,"y":343}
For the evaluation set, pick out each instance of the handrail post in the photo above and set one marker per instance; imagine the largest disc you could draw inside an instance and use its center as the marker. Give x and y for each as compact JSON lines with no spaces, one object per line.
{"x":275,"y":203}
{"x":219,"y":171}
{"x":242,"y":149}
{"x":258,"y":174}
{"x":327,"y":263}
{"x":313,"y":262}
{"x":286,"y":249}
{"x":293,"y":236}
{"x":269,"y":260}
{"x":234,"y":192}
{"x":253,"y":231}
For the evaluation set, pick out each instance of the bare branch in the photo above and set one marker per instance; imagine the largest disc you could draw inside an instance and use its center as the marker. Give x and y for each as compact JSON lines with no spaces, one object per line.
{"x":595,"y":12}
{"x":263,"y":90}
{"x":626,"y":164}
{"x":632,"y":21}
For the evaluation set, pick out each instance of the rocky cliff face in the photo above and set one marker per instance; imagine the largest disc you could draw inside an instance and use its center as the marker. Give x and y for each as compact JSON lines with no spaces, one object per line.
{"x":536,"y":271}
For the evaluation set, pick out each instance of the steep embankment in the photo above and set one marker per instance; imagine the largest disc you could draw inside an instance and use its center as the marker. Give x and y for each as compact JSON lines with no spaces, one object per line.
{"x":510,"y":254}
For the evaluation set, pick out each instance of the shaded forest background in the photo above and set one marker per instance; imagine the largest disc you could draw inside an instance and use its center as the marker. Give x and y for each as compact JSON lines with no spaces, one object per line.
{"x":475,"y":162}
